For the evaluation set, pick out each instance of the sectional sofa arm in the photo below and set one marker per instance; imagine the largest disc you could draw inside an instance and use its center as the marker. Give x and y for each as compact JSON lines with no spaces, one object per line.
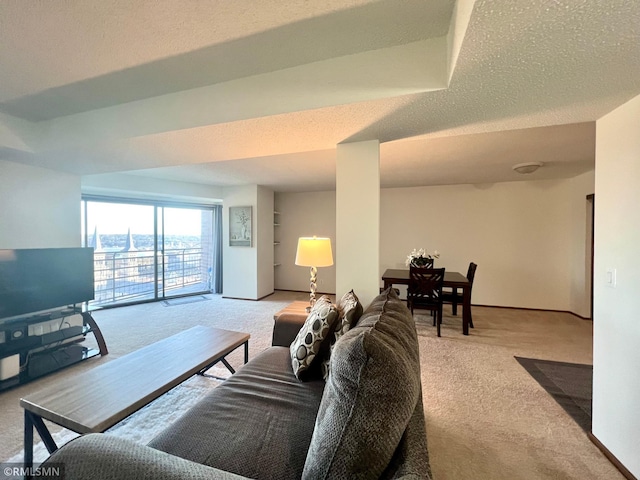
{"x":102,"y":456}
{"x":285,"y":329}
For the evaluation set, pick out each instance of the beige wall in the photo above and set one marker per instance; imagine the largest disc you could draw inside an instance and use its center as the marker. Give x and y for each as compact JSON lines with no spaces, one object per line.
{"x":517,"y":232}
{"x":616,"y":356}
{"x":40,"y":208}
{"x":528,"y":238}
{"x":357,"y":248}
{"x":303,"y":215}
{"x":580,"y":233}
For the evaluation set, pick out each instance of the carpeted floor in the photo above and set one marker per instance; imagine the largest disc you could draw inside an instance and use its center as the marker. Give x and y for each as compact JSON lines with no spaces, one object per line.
{"x":570,"y":384}
{"x":129,"y":328}
{"x":486,"y":417}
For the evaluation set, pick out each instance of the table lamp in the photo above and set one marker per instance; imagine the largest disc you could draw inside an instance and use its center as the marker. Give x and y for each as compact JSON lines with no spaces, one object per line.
{"x":314,"y":252}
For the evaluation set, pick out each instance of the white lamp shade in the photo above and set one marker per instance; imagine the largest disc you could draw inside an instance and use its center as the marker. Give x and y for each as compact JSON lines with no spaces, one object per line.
{"x":314,"y":252}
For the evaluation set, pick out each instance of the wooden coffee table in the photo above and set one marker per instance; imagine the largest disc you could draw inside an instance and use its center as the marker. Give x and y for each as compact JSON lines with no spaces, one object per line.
{"x":99,"y":398}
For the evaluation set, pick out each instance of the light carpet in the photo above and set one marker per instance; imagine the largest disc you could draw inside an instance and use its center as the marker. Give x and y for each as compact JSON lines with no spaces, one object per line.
{"x":486,"y":417}
{"x":127,"y":329}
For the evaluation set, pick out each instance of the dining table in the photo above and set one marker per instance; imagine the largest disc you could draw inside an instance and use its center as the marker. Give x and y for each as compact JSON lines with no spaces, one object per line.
{"x":453,"y":280}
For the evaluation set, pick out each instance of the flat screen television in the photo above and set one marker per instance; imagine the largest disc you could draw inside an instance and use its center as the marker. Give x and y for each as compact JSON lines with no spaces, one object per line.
{"x":34,"y":280}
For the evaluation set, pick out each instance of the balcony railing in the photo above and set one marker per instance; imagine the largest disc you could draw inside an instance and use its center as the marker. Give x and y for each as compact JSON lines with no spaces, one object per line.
{"x":130,"y":276}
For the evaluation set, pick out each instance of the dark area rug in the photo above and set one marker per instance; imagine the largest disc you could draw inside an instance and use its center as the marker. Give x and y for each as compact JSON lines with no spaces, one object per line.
{"x":570,"y":384}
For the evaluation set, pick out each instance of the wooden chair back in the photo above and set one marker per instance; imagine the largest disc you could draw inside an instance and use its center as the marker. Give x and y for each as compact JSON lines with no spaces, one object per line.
{"x":425,"y":285}
{"x":471,"y":273}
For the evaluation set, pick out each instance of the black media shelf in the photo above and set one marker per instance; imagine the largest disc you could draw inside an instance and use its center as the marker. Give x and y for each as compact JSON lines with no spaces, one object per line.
{"x":48,"y":352}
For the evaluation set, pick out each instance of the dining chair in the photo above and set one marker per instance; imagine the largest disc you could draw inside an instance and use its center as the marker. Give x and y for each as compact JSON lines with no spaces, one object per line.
{"x":424,"y":291}
{"x":454,"y":297}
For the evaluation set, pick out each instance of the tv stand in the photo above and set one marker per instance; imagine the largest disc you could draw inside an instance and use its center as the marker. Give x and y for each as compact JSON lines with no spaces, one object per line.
{"x":36,"y":345}
{"x":92,"y":327}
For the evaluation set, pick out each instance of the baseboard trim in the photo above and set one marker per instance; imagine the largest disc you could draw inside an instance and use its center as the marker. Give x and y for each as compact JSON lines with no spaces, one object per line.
{"x":611,"y":457}
{"x":473,"y":304}
{"x":533,"y":310}
{"x":249,"y":299}
{"x":303,"y":291}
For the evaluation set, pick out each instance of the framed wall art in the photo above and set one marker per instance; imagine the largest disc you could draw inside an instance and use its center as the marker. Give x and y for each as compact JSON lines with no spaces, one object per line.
{"x":240,"y":226}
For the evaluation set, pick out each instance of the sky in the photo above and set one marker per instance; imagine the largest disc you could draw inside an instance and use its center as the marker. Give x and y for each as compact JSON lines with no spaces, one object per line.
{"x":118,"y":218}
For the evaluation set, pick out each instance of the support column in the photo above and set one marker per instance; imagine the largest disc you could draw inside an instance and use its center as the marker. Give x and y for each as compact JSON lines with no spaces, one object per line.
{"x":358,"y":220}
{"x":248,"y":271}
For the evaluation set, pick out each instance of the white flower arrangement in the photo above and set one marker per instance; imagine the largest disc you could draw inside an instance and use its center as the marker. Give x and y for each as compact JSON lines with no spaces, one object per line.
{"x":421,"y":257}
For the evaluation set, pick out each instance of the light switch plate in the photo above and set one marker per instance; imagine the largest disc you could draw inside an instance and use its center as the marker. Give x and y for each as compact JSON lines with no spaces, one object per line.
{"x":611,"y":277}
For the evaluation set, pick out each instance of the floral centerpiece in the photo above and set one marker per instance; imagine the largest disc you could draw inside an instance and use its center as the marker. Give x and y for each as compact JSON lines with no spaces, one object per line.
{"x":420,"y":258}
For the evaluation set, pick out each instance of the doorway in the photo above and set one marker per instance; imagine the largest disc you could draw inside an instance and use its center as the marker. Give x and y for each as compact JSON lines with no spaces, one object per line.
{"x":591,"y":212}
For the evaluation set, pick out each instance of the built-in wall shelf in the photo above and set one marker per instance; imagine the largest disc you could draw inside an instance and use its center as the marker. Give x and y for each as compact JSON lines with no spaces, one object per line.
{"x":276,"y":237}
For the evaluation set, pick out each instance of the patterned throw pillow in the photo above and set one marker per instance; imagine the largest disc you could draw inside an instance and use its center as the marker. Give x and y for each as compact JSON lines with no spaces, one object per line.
{"x":350,"y":310}
{"x":312,"y":340}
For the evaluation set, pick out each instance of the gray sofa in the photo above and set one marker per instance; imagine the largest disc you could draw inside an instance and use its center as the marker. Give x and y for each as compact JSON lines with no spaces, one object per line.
{"x":365,"y":421}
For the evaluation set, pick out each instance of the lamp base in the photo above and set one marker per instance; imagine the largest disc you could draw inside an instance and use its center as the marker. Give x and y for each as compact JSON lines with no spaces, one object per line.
{"x":312,"y":287}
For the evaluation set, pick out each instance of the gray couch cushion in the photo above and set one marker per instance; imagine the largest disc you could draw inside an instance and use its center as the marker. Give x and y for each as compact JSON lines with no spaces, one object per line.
{"x":371,"y":394}
{"x":98,"y":456}
{"x":411,"y":458}
{"x":258,"y":423}
{"x":312,"y":342}
{"x":349,"y":312}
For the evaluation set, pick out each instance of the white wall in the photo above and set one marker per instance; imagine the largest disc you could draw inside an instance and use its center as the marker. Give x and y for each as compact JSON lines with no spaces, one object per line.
{"x":357,"y":250}
{"x":516,"y":232}
{"x":239,"y":264}
{"x":528,"y":238}
{"x":39,"y":208}
{"x":264,"y":241}
{"x":136,"y":186}
{"x":304,"y":215}
{"x":245,"y":275}
{"x":616,"y":352}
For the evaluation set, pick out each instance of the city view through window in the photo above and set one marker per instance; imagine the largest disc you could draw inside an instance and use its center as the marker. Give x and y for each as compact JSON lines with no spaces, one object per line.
{"x":146,"y":252}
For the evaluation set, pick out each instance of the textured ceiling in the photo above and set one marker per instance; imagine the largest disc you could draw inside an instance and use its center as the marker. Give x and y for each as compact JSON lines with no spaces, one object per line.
{"x":97,"y":54}
{"x":231,"y":93}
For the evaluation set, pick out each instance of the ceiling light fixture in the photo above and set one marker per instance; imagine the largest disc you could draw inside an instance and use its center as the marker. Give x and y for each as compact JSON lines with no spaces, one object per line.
{"x":528,"y":167}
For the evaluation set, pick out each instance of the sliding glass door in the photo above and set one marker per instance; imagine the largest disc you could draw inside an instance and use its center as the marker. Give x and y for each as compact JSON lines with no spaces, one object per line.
{"x":185,"y":249}
{"x":148,"y":251}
